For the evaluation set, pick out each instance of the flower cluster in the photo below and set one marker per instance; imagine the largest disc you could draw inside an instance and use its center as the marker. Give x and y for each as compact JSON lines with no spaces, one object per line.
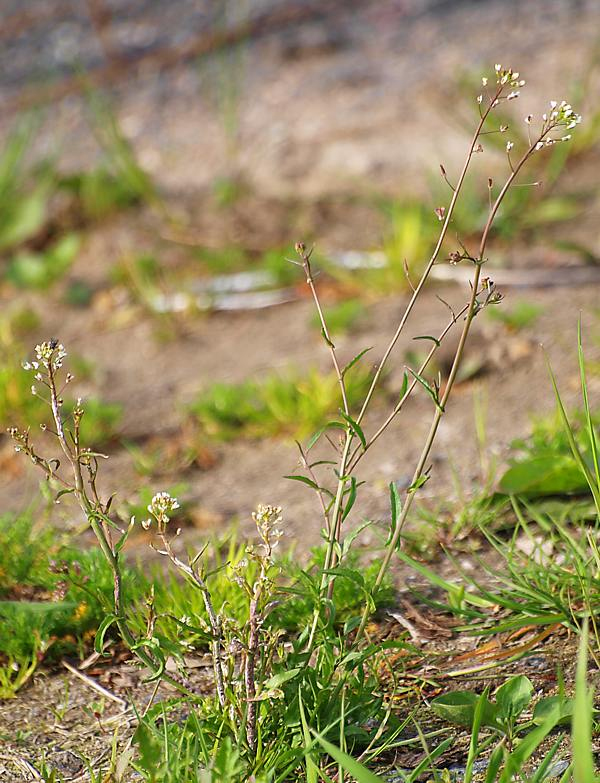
{"x":505,"y":78}
{"x":562,"y":114}
{"x":267,"y":518}
{"x":509,"y":77}
{"x":49,"y":355}
{"x":161,"y":506}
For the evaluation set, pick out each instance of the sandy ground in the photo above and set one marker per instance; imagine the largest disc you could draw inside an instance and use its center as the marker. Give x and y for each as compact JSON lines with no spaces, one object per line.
{"x":354,"y":102}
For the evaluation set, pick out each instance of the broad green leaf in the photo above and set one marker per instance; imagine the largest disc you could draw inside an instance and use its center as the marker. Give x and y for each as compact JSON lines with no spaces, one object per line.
{"x":277,"y":680}
{"x":544,"y":475}
{"x":459,"y":707}
{"x":548,"y":706}
{"x":514,"y":696}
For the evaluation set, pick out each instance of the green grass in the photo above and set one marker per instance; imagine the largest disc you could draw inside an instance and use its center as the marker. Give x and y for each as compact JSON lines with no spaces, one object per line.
{"x":521,"y":315}
{"x":53,"y":597}
{"x":341,"y":318}
{"x":277,"y":404}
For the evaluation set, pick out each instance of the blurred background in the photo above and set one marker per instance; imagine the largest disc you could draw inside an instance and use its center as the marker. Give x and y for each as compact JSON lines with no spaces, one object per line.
{"x":158,"y":161}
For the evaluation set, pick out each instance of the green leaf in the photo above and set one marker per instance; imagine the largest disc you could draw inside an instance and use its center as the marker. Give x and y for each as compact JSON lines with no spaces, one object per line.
{"x":101,"y":633}
{"x":304,"y":480}
{"x":25,"y":218}
{"x":433,"y":393}
{"x":312,"y":771}
{"x":526,"y":748}
{"x":494,"y":764}
{"x":514,"y":696}
{"x":548,"y":706}
{"x":575,"y":450}
{"x":549,"y":474}
{"x":396,"y":508}
{"x":459,"y":707}
{"x":277,"y":680}
{"x":354,"y":768}
{"x":329,"y":426}
{"x":351,"y":498}
{"x":428,"y":337}
{"x":356,"y":359}
{"x":418,"y":483}
{"x":404,"y":387}
{"x":355,"y":427}
{"x":583,"y":759}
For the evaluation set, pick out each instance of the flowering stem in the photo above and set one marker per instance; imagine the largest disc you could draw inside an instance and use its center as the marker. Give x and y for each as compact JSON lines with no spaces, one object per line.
{"x":440,"y":409}
{"x":215,"y":623}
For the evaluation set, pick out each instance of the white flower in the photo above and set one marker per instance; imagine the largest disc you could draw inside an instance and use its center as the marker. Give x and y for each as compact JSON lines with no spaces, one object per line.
{"x":509,"y":146}
{"x":479,"y":98}
{"x":50,"y":354}
{"x":512,"y":95}
{"x":528,"y":119}
{"x":161,"y":505}
{"x":484,"y":81}
{"x":539,"y":145}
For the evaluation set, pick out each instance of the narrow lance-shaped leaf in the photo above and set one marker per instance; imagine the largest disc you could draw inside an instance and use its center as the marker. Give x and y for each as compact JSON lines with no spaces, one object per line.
{"x":396,"y":508}
{"x":356,"y":359}
{"x":428,"y":337}
{"x":431,"y":390}
{"x":309,"y":483}
{"x":591,"y":431}
{"x":329,"y":426}
{"x":327,"y":340}
{"x":404,"y":387}
{"x":351,"y":498}
{"x":355,"y":427}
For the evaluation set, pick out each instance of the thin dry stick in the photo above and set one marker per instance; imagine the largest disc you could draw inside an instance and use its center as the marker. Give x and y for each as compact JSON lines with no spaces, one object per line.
{"x":94,"y":685}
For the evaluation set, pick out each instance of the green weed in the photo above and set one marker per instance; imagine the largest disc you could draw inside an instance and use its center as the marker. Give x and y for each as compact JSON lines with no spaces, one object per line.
{"x":520,"y":315}
{"x":28,"y":269}
{"x":341,"y":318}
{"x":276,"y":405}
{"x":53,"y":597}
{"x":561,"y":455}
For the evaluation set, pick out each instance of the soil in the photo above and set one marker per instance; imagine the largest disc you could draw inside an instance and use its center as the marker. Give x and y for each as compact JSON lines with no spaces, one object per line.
{"x":331,"y":113}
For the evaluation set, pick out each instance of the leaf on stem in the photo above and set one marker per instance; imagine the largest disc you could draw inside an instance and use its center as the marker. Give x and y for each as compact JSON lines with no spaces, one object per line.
{"x":356,"y":359}
{"x":429,"y":388}
{"x":428,"y":337}
{"x":355,"y":427}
